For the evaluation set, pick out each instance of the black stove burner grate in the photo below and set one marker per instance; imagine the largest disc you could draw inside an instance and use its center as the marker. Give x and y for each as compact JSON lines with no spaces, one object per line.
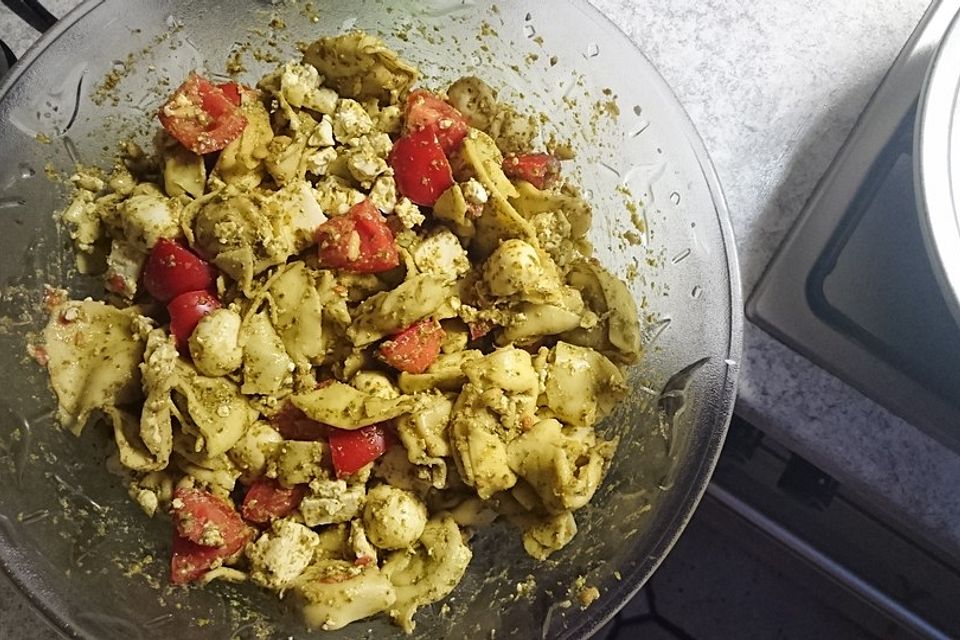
{"x":31,"y":12}
{"x":34,"y":14}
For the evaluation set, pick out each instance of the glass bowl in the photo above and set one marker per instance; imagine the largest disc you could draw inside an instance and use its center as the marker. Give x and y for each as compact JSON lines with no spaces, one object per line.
{"x":86,"y":556}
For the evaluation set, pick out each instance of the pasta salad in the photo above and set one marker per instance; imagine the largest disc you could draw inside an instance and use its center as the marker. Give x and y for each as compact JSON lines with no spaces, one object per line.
{"x":347,"y":322}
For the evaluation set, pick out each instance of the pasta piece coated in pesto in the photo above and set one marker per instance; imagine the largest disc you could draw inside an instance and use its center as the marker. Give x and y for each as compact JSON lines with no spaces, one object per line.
{"x":258,"y":444}
{"x":358,"y":65}
{"x":267,"y":368}
{"x":241,"y":162}
{"x":446,"y":374}
{"x":610,"y":298}
{"x":335,"y":593}
{"x":544,"y":535}
{"x":582,"y":385}
{"x":429,"y":571}
{"x":94,"y":352}
{"x":183,"y":171}
{"x":424,"y":437}
{"x":564,"y":465}
{"x":390,"y":311}
{"x":344,"y":407}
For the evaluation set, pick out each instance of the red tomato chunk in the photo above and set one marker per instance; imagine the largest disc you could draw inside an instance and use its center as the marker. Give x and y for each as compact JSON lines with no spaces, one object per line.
{"x":415,"y":348}
{"x":186,"y":311}
{"x":267,"y":499}
{"x":232,"y":91}
{"x":208,"y":530}
{"x":427,"y":111}
{"x":205,"y":519}
{"x":539,"y":169}
{"x":359,"y":241}
{"x":420,"y":167}
{"x":293,"y":424}
{"x":353,"y":450}
{"x":173,"y":269}
{"x":480,"y":328}
{"x":202,"y":116}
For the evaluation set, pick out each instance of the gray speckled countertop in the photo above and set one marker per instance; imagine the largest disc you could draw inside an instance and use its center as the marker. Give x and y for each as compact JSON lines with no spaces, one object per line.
{"x":773,"y":87}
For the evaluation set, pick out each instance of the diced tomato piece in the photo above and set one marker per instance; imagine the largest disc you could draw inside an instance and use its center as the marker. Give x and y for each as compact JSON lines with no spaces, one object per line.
{"x":190,"y":560}
{"x":208,"y":529}
{"x":186,"y":311}
{"x":415,"y":348}
{"x":420,"y":167}
{"x":427,"y":111}
{"x":293,"y":424}
{"x":539,"y":169}
{"x":480,"y":328}
{"x":267,"y":499}
{"x":202,"y":116}
{"x":232,"y":91}
{"x":359,"y":241}
{"x":205,"y":519}
{"x":352,"y":450}
{"x":116,"y":284}
{"x":362,"y":561}
{"x":173,"y":269}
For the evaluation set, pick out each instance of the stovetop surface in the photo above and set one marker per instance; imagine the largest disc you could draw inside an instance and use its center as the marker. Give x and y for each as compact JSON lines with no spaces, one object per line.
{"x":852,"y":287}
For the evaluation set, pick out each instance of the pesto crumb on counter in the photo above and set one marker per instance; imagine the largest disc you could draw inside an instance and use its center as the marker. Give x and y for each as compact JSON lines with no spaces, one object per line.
{"x":347,"y":320}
